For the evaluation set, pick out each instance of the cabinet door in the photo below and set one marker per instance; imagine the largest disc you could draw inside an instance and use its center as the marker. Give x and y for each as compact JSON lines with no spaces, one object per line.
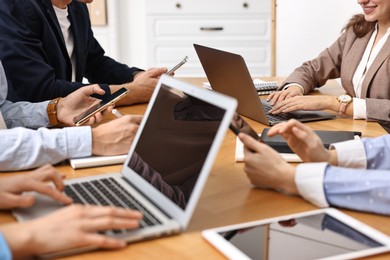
{"x":242,"y":27}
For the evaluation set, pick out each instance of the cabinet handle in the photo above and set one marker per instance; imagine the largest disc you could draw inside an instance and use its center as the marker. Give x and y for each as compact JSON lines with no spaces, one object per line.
{"x":178,"y":5}
{"x":245,"y":5}
{"x":211,"y":29}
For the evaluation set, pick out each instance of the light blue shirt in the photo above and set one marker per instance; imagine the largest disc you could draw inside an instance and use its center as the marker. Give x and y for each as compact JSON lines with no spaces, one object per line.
{"x":360,"y":182}
{"x":363,"y":189}
{"x":26,"y":114}
{"x":22,"y":148}
{"x":5,"y":252}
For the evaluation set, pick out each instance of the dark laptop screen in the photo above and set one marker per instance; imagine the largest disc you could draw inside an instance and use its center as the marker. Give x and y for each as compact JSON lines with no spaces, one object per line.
{"x":175,"y":142}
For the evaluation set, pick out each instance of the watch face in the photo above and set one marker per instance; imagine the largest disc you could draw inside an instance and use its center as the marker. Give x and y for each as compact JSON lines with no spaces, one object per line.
{"x":344,"y":98}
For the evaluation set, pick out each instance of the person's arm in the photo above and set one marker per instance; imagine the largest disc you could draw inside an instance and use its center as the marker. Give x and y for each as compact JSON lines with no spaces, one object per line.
{"x":69,"y":228}
{"x":24,"y":148}
{"x":358,"y":189}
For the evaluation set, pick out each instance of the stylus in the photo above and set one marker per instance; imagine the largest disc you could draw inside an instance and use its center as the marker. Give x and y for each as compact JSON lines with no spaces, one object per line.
{"x":116,"y":112}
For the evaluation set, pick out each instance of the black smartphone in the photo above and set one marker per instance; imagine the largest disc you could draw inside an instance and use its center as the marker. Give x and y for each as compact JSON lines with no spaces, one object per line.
{"x":177,"y":66}
{"x":103,"y":104}
{"x":238,"y":125}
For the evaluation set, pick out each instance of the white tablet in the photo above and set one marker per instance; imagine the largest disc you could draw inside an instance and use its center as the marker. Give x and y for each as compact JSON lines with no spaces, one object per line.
{"x":320,"y":234}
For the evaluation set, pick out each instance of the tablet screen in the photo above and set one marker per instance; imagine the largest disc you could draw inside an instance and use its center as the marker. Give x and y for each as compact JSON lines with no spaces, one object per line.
{"x":309,"y":237}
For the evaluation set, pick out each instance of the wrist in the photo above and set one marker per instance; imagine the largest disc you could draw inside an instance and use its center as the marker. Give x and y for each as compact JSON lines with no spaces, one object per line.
{"x":288,"y":185}
{"x":19,"y":240}
{"x":333,"y":160}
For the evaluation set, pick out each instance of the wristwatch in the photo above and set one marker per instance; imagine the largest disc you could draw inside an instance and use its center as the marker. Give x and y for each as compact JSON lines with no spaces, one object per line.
{"x":52,"y":112}
{"x":344,"y":100}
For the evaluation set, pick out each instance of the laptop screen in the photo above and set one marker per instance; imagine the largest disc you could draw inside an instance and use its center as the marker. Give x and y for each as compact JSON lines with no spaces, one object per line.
{"x":175,"y":142}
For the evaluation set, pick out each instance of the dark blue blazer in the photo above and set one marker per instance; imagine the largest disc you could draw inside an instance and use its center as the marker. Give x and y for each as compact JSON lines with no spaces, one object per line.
{"x":34,"y":56}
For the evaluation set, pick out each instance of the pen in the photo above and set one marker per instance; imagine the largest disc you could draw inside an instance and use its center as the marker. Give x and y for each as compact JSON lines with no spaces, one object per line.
{"x":116,"y":112}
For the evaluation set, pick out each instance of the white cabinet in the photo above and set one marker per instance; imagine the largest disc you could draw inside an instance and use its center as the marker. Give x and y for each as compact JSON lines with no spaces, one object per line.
{"x":239,"y":26}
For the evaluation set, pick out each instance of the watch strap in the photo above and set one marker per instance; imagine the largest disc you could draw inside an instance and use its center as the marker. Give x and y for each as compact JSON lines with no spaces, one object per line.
{"x":52,"y":112}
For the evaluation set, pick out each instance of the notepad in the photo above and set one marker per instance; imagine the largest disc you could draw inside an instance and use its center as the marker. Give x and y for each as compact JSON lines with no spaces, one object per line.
{"x":262,"y":87}
{"x":95,"y":161}
{"x":265,"y":87}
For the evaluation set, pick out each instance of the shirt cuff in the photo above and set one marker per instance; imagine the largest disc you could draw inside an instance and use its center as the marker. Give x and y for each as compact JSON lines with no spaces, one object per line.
{"x":295,"y":84}
{"x":5,"y":252}
{"x":79,"y":141}
{"x":351,"y":154}
{"x":309,"y":179}
{"x":359,"y":108}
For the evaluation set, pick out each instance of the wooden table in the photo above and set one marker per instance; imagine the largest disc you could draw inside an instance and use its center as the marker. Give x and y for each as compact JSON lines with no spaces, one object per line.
{"x":228,"y":197}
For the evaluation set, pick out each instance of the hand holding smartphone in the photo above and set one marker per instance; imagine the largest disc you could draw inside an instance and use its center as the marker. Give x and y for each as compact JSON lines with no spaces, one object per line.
{"x":103,"y":104}
{"x":177,"y":66}
{"x":238,"y":124}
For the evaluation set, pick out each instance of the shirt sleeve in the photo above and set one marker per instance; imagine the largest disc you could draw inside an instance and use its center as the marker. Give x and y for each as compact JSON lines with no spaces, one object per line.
{"x":350,"y":154}
{"x":359,"y":108}
{"x":367,"y":153}
{"x":26,"y":114}
{"x":25,"y":148}
{"x":309,"y":180}
{"x":377,"y":152}
{"x":5,"y":252}
{"x":358,"y":189}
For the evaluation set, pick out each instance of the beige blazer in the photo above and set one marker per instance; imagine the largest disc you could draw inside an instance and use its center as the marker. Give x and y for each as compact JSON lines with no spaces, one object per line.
{"x":340,"y":60}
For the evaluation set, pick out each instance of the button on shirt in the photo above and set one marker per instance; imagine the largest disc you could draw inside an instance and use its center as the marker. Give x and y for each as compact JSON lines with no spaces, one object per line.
{"x":360,"y":182}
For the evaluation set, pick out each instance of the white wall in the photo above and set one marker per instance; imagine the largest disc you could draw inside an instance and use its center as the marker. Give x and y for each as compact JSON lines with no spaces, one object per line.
{"x":306,"y":27}
{"x":303,"y":29}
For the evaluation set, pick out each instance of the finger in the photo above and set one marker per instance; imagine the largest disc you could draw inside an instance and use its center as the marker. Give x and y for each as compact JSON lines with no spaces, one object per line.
{"x":136,"y":119}
{"x":93,"y":89}
{"x":10,"y":201}
{"x":276,"y":129}
{"x":48,"y":190}
{"x":108,"y":223}
{"x":155,"y":72}
{"x":98,"y":211}
{"x":48,"y":173}
{"x":249,"y":142}
{"x":272,"y":95}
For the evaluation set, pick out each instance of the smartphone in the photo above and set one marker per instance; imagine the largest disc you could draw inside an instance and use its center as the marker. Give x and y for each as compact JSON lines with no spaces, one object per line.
{"x":238,"y":125}
{"x":181,"y":63}
{"x":103,"y":104}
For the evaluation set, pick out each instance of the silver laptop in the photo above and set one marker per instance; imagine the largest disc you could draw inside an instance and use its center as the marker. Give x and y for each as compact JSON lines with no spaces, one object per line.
{"x":227,"y":73}
{"x":167,"y":165}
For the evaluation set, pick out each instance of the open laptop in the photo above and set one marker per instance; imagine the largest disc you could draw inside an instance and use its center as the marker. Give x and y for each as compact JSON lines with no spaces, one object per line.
{"x":227,"y":73}
{"x":167,"y":165}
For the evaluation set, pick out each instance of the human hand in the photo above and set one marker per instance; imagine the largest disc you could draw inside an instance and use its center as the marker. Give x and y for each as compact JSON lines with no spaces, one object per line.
{"x":311,"y":103}
{"x":68,"y":228}
{"x":291,"y":91}
{"x":78,"y":102}
{"x":116,"y":136}
{"x":304,"y":142}
{"x":142,"y":87}
{"x":12,"y":187}
{"x":265,"y":168}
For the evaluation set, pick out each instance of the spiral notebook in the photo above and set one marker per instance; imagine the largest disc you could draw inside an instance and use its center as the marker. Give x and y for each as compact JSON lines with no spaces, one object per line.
{"x":265,"y":87}
{"x":262,"y":87}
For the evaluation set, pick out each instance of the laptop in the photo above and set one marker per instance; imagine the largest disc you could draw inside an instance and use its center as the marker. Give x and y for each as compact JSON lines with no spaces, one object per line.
{"x":228,"y":74}
{"x":167,"y":165}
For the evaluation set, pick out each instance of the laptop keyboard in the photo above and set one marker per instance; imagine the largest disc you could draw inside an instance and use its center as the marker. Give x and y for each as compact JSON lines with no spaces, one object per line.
{"x":279,"y":117}
{"x":108,"y":192}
